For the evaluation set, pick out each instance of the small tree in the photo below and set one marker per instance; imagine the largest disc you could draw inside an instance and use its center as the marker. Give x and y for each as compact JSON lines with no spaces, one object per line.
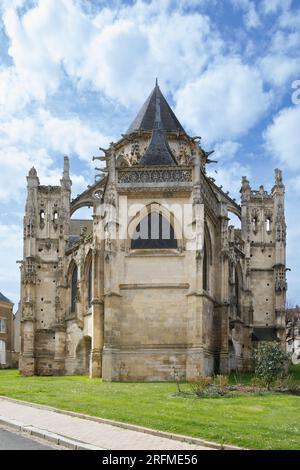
{"x":271,"y":363}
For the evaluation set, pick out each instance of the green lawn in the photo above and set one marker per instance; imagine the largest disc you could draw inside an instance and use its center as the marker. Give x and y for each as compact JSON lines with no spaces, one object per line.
{"x":269,"y":421}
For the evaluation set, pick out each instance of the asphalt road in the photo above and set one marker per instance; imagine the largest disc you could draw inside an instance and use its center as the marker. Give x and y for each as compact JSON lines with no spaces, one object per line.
{"x":15,"y":441}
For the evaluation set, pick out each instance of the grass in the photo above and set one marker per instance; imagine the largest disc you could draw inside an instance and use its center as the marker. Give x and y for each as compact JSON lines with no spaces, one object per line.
{"x":268,"y":421}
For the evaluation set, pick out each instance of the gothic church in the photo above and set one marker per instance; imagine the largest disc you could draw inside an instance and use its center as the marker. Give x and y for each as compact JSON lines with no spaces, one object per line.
{"x":158,"y":281}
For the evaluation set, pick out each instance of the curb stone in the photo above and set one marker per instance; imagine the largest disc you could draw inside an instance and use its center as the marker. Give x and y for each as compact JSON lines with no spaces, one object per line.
{"x":132,"y":427}
{"x":47,"y":435}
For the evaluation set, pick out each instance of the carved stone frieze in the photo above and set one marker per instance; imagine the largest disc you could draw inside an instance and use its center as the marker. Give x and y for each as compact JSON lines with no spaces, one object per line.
{"x":154,"y":175}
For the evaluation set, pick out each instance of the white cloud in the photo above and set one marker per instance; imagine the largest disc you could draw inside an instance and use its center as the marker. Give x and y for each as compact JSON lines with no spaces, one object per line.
{"x":251,"y":17}
{"x":273,"y":6}
{"x":224,"y":102}
{"x":294,"y":185}
{"x":14,"y":92}
{"x":290,"y":20}
{"x":282,"y":137}
{"x":11,"y":237}
{"x":278,"y":69}
{"x":285,"y":43}
{"x":64,"y":135}
{"x":70,"y":135}
{"x":119,"y":52}
{"x":229,"y":171}
{"x":229,"y":176}
{"x":15,"y":165}
{"x":12,"y":4}
{"x":226,"y":150}
{"x":29,"y":141}
{"x":127,"y":54}
{"x":41,"y":44}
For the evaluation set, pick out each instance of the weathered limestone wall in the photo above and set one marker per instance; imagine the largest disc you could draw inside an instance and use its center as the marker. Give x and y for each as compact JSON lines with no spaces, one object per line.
{"x":149,"y":333}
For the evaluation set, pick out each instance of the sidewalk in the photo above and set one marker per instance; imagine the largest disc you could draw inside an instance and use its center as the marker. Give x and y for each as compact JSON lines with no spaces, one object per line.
{"x":99,"y":434}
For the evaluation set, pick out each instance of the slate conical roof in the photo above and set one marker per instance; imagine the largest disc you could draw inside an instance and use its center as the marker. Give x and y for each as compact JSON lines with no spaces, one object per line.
{"x":158,"y":151}
{"x":146,"y":116}
{"x":4,"y":299}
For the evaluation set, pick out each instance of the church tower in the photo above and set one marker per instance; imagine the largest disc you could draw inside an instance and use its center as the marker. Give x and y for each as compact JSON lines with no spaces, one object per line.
{"x":264,"y":232}
{"x":46,"y":232}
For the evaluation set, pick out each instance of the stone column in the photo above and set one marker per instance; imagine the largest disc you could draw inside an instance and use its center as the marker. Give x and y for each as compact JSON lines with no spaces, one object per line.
{"x":97,"y":317}
{"x":195,"y":354}
{"x":278,"y":192}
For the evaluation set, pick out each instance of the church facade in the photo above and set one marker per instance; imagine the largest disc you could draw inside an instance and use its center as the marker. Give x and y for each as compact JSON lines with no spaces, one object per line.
{"x":158,"y":282}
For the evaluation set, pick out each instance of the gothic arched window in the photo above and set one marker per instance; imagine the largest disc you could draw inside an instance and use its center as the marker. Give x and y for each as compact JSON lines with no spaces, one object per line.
{"x":205,"y":267}
{"x":89,"y":284}
{"x":74,"y":279}
{"x":237,"y":294}
{"x":154,"y":232}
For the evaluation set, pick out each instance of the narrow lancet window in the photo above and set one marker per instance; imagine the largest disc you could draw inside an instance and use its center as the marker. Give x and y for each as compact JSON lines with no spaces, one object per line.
{"x":74,"y":279}
{"x":205,"y":268}
{"x":89,"y":285}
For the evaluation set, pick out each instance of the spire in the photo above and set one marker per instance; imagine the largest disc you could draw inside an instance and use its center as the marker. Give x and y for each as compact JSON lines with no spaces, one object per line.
{"x":66,"y":181}
{"x":66,"y":173}
{"x":146,"y":116}
{"x":158,"y":152}
{"x":32,"y":178}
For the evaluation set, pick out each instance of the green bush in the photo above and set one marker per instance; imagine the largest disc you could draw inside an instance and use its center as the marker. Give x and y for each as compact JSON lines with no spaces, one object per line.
{"x":271,"y":363}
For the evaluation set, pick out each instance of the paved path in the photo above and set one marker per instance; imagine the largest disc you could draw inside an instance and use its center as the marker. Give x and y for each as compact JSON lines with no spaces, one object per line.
{"x":14,"y":441}
{"x":98,"y":434}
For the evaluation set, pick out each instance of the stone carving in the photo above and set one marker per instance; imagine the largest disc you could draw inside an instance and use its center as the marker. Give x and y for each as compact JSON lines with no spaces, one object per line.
{"x":110,"y":195}
{"x":29,"y":272}
{"x":27,"y":312}
{"x":154,"y":176}
{"x":245,"y":189}
{"x":261,"y":193}
{"x":29,"y":229}
{"x":278,"y":177}
{"x":197,"y":196}
{"x":280,"y":224}
{"x":280,"y":279}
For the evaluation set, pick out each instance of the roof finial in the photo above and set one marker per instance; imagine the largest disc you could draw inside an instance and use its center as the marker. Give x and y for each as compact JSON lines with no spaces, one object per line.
{"x":156,"y":82}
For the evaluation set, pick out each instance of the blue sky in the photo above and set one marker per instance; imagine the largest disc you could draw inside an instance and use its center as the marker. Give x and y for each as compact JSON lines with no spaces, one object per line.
{"x":73,"y":74}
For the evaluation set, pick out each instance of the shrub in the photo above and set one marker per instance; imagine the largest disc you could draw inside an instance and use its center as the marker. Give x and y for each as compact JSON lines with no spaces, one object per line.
{"x":210,"y":387}
{"x":271,"y":363}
